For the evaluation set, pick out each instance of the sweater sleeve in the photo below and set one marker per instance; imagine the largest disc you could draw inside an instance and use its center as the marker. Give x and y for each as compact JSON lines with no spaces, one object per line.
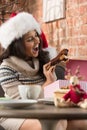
{"x":9,"y":82}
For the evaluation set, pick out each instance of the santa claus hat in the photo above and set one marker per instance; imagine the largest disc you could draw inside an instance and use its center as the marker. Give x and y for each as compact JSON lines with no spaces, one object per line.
{"x":16,"y":27}
{"x":45,"y":43}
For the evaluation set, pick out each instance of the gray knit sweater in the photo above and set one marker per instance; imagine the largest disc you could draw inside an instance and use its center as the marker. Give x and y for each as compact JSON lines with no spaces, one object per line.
{"x":15,"y":71}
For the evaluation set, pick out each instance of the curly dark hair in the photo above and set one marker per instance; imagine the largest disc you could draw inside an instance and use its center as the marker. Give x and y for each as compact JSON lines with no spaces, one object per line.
{"x":17,"y":48}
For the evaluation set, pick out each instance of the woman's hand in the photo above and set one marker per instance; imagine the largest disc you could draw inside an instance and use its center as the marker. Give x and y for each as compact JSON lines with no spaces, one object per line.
{"x":49,"y":72}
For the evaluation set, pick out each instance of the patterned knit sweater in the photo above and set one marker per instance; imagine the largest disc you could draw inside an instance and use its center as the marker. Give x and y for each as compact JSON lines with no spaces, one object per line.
{"x":15,"y":71}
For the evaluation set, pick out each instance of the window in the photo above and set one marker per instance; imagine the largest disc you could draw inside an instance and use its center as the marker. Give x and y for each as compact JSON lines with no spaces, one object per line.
{"x":53,"y":10}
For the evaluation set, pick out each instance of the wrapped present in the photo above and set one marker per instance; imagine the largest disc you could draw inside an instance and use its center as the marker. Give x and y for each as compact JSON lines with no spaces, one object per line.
{"x":55,"y":86}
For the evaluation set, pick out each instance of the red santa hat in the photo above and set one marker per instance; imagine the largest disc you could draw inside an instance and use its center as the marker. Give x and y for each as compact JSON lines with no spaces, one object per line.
{"x":13,"y":14}
{"x":45,"y":43}
{"x":16,"y":27}
{"x":52,"y":50}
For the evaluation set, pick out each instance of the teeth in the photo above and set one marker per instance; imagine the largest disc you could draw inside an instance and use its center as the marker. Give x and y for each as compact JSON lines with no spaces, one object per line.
{"x":36,"y":48}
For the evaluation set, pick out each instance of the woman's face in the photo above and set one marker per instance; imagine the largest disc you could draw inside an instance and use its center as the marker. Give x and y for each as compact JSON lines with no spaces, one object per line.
{"x":31,"y":41}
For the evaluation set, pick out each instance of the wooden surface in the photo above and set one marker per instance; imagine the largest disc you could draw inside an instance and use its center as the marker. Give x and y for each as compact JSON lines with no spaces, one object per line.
{"x":42,"y":111}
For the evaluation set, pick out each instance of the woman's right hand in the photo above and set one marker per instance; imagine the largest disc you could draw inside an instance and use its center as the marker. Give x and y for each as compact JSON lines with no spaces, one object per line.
{"x":49,"y":72}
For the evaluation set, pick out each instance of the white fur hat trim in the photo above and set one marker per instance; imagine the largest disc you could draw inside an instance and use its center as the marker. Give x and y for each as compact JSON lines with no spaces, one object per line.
{"x":16,"y":27}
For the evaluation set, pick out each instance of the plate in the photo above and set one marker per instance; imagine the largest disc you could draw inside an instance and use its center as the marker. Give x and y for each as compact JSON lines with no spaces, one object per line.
{"x":49,"y":101}
{"x":17,"y":103}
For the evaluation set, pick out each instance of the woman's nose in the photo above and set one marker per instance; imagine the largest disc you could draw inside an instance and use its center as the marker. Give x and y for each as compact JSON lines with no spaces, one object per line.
{"x":36,"y":40}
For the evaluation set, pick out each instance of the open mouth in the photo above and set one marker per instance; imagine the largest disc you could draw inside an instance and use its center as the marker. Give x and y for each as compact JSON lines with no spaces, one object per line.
{"x":35,"y":49}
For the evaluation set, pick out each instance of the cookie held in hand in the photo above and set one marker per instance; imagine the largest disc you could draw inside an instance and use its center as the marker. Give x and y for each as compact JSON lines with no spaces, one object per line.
{"x":62,"y":56}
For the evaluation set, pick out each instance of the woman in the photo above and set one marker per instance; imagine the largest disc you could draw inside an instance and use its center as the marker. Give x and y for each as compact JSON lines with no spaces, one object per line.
{"x":23,"y":62}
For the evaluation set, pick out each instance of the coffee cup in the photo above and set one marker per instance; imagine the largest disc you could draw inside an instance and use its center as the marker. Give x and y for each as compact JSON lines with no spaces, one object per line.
{"x":29,"y":91}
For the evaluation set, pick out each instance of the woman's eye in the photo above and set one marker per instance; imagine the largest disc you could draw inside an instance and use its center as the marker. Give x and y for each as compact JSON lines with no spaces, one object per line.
{"x":30,"y":39}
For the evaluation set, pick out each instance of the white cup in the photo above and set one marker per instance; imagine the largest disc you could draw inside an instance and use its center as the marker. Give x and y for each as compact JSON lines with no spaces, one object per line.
{"x":29,"y":91}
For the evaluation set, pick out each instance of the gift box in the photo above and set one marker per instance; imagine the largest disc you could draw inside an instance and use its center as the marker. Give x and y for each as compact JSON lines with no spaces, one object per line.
{"x":50,"y":89}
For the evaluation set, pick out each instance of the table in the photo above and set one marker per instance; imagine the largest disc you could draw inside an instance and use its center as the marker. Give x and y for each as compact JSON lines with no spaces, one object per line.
{"x":44,"y":111}
{"x":47,"y":114}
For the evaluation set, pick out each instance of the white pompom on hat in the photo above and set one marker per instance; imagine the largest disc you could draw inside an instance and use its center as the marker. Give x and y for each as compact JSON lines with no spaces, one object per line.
{"x":16,"y":27}
{"x":52,"y":51}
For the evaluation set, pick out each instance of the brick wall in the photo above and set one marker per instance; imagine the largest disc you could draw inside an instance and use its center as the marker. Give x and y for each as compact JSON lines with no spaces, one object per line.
{"x":69,"y":32}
